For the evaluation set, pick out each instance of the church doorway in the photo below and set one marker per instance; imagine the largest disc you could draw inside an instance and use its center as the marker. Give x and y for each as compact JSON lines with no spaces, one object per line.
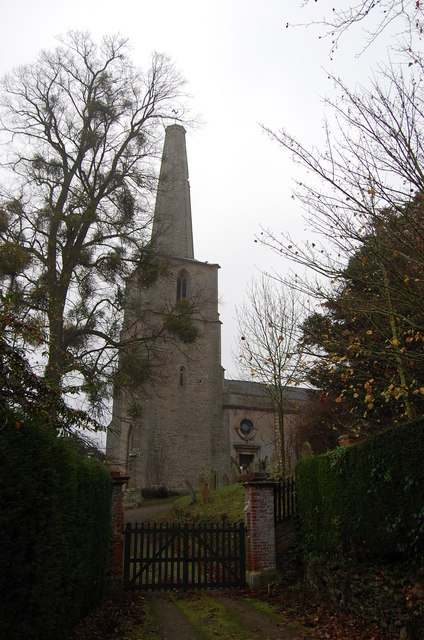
{"x":245,"y":460}
{"x":246,"y":455}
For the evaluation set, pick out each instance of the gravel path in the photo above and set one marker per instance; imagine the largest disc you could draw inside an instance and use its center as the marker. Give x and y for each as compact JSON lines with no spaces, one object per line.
{"x":144,"y":513}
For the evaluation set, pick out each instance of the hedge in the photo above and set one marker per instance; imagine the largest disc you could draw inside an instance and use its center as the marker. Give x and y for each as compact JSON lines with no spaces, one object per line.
{"x":366,"y":499}
{"x":54,"y":531}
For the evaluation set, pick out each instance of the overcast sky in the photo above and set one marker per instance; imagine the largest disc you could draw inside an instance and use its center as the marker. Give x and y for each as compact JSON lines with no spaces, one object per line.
{"x":243,"y":67}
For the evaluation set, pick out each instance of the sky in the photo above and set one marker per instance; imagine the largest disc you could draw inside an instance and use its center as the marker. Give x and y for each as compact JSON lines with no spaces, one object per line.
{"x":243,"y":68}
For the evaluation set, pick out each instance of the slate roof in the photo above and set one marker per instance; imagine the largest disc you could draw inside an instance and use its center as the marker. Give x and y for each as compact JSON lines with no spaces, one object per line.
{"x":247,"y":387}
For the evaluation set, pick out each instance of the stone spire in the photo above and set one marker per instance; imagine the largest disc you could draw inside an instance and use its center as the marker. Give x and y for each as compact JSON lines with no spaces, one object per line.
{"x":172,"y":230}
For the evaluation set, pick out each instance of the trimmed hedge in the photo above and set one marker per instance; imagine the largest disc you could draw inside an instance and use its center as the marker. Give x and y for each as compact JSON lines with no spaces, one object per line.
{"x":54,"y":531}
{"x":366,"y":499}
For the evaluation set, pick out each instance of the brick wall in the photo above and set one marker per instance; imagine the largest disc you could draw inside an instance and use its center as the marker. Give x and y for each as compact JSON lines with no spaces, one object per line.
{"x":117,"y":522}
{"x":260,"y":540}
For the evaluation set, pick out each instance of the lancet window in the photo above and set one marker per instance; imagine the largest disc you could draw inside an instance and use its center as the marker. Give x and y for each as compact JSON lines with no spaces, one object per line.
{"x":182,"y":376}
{"x":182,"y":284}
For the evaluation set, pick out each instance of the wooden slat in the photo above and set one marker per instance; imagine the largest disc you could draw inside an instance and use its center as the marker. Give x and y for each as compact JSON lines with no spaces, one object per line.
{"x":127,"y":554}
{"x":163,"y":557}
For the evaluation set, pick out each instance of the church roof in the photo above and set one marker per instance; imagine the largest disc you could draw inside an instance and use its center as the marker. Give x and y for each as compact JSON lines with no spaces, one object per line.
{"x":250,"y":388}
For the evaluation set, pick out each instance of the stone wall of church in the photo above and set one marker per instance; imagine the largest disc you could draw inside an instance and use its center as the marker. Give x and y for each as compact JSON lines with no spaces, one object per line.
{"x":186,"y":413}
{"x":257,"y":444}
{"x":179,"y":435}
{"x":251,"y":420}
{"x":182,"y":417}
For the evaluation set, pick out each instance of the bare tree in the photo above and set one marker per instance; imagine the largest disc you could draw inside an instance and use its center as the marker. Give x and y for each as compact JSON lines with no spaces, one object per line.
{"x":269,"y":327}
{"x":363,"y":201}
{"x":375,"y":17}
{"x":80,"y":129}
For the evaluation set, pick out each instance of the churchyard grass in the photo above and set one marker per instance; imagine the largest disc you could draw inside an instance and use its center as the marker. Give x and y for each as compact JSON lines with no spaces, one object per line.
{"x":225,"y":505}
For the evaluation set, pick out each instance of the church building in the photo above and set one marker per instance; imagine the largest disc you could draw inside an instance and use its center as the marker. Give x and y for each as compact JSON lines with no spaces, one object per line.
{"x":192,"y":422}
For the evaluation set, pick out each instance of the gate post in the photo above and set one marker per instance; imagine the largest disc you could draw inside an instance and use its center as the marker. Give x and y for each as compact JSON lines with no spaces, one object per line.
{"x":117,"y":523}
{"x":261,"y":567}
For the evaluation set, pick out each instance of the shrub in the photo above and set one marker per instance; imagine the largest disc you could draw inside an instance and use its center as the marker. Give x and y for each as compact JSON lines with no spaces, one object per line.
{"x":368,"y":498}
{"x":54,"y":531}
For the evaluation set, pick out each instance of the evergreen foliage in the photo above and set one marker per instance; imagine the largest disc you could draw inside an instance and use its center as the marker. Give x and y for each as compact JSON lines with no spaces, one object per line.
{"x":367,"y":340}
{"x":54,"y":531}
{"x":21,"y":388}
{"x":366,"y":499}
{"x":180,"y":321}
{"x":362,"y":261}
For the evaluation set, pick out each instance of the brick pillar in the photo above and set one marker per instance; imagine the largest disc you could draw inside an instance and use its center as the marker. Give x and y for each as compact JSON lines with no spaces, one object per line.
{"x":117,"y":518}
{"x":260,"y":539}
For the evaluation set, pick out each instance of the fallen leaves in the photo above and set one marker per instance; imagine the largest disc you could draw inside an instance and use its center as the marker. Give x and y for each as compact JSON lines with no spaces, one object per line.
{"x":323,"y":621}
{"x":299,"y":609}
{"x":110,"y":619}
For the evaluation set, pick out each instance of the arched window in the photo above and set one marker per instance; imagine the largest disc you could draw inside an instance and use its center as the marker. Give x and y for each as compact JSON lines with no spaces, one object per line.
{"x":130,"y":445}
{"x":182,"y":376}
{"x":182,"y":284}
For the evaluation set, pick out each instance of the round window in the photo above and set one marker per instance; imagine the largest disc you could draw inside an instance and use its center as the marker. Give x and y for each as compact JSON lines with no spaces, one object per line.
{"x":246,"y":427}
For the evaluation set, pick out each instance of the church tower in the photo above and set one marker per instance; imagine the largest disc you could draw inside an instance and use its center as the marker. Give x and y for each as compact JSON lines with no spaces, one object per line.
{"x":178,"y":434}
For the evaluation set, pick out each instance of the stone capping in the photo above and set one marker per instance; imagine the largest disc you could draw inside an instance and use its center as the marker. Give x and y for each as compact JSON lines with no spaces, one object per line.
{"x":257,"y":477}
{"x":118,"y":478}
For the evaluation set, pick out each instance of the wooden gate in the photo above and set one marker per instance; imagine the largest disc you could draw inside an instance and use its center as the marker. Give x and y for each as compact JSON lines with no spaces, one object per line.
{"x":162,"y":556}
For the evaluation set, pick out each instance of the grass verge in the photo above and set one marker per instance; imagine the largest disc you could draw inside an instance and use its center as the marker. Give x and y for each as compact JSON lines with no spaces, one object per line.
{"x":266,"y":608}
